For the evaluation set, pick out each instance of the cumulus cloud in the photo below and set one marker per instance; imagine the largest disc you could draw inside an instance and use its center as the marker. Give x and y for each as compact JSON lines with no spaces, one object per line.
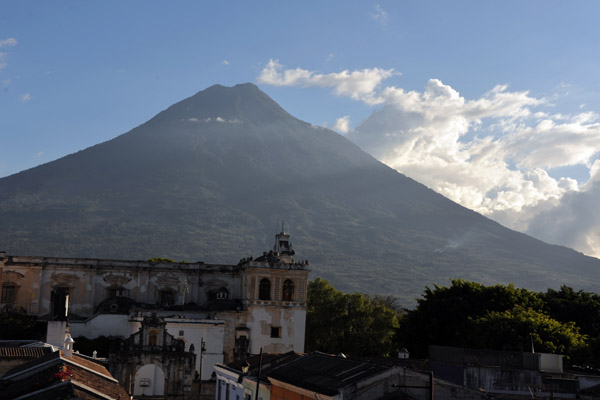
{"x":10,"y":42}
{"x":25,"y":97}
{"x":575,"y":219}
{"x":225,"y":62}
{"x":492,"y":154}
{"x":2,"y":63}
{"x":359,"y":85}
{"x":379,"y":15}
{"x":342,"y":124}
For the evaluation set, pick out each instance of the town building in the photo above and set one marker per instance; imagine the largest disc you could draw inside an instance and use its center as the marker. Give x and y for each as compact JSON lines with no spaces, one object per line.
{"x":45,"y":372}
{"x":228,"y":311}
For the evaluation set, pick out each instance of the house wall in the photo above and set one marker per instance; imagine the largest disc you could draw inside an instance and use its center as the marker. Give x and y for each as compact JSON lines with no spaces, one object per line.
{"x":194,"y":332}
{"x":228,"y":386}
{"x":118,"y":325}
{"x":261,"y":318}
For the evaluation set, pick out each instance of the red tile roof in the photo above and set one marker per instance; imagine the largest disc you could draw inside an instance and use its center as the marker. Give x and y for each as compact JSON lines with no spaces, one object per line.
{"x":49,"y":374}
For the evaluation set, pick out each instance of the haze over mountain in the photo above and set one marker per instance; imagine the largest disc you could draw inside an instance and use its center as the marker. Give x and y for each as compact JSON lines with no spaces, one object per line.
{"x":208,"y":178}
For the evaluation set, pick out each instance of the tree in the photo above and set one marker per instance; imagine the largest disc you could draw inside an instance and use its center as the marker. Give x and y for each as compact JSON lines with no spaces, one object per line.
{"x":520,"y":327}
{"x":444,"y":316}
{"x":348,"y":323}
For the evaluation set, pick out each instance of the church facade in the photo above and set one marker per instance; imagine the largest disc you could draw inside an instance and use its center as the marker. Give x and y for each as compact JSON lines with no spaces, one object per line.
{"x":228,"y":311}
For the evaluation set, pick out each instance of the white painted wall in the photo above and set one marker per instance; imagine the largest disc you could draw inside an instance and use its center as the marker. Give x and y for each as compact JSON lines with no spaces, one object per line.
{"x":227,"y":383}
{"x":292,"y":322}
{"x":105,"y":325}
{"x":55,"y":333}
{"x":196,"y":330}
{"x":156,"y":378}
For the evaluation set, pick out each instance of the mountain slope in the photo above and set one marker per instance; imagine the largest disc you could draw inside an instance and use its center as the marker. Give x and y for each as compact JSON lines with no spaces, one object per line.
{"x":208,"y":178}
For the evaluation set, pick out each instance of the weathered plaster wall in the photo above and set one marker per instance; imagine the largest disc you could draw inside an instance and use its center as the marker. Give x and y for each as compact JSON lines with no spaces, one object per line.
{"x":261,"y":318}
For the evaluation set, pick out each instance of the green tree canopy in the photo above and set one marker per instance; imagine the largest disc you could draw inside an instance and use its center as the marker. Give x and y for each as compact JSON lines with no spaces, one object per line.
{"x":520,"y":326}
{"x":444,"y":316}
{"x":350,"y":323}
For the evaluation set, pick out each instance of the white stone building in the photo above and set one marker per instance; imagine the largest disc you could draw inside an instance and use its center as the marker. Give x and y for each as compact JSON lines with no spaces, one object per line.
{"x":234,"y":310}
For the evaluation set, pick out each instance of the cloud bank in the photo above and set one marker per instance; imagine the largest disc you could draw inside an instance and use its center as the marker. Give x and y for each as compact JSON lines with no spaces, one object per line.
{"x":493,"y":154}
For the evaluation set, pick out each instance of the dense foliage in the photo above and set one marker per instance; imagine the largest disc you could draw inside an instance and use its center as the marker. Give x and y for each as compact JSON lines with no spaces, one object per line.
{"x":18,"y":325}
{"x":502,"y":317}
{"x":349,"y":323}
{"x":465,"y":314}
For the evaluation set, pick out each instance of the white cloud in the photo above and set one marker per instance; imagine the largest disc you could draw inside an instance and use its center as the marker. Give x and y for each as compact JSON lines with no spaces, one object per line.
{"x":25,"y":97}
{"x":225,"y":62}
{"x":379,"y":15}
{"x":2,"y":63}
{"x":342,"y":124}
{"x":491,"y":154}
{"x":574,"y":220}
{"x":330,"y":57}
{"x":359,"y":85}
{"x":10,"y":42}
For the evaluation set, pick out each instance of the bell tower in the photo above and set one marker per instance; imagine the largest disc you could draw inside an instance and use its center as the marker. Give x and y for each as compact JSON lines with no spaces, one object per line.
{"x":283,"y":246}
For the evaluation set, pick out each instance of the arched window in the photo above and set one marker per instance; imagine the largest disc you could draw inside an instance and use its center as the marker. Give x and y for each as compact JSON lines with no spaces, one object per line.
{"x":288,"y":290}
{"x":264,"y":289}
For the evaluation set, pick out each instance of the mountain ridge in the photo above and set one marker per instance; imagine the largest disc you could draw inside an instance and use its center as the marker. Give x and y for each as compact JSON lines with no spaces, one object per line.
{"x":206,"y":179}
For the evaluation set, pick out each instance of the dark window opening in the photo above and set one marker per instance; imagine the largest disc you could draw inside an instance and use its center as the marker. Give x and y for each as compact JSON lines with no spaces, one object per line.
{"x":59,"y":299}
{"x":288,"y":290}
{"x":167,"y":298}
{"x":264,"y":289}
{"x":118,"y":292}
{"x":153,"y":339}
{"x":221,"y":294}
{"x":9,"y":291}
{"x":275,"y":332}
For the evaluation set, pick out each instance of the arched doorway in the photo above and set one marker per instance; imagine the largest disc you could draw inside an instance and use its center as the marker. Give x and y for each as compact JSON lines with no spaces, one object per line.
{"x":149,"y":381}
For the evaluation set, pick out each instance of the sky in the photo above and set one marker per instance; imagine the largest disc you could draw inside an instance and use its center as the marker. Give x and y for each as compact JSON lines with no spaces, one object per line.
{"x":495,"y":105}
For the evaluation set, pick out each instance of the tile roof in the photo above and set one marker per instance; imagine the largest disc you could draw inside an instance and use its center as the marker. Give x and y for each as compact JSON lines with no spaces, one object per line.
{"x":49,"y":373}
{"x":24,"y":352}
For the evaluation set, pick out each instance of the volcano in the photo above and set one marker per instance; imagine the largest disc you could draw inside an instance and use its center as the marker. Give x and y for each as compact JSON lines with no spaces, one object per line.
{"x":211,"y":178}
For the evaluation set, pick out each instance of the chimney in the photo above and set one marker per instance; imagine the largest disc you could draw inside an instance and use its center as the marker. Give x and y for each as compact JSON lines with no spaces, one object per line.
{"x":68,"y":349}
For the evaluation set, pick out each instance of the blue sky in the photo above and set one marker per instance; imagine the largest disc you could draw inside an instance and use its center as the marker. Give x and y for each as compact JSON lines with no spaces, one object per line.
{"x":493,"y":104}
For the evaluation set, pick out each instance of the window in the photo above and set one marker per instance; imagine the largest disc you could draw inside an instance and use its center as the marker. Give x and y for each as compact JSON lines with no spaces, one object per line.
{"x":220,"y":294}
{"x":118,"y":292}
{"x":59,"y":298}
{"x":264,"y":289}
{"x":275,"y":332}
{"x":9,"y":291}
{"x":167,"y":298}
{"x":153,"y":337}
{"x":181,"y":333}
{"x":288,"y":290}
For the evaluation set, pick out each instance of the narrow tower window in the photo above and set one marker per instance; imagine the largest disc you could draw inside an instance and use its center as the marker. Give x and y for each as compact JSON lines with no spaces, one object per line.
{"x":264,"y":289}
{"x":288,"y":290}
